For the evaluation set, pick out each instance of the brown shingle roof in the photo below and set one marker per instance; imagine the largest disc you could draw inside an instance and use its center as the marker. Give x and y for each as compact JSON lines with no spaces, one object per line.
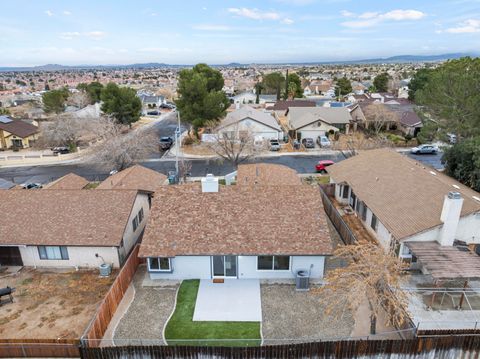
{"x":405,"y":196}
{"x":70,"y":181}
{"x":136,"y":177}
{"x":64,"y":217}
{"x":19,"y":128}
{"x":266,"y":174}
{"x":284,"y":105}
{"x":238,"y":220}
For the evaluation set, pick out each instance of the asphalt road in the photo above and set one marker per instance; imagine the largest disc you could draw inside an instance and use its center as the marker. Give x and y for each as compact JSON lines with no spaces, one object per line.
{"x":434,"y":161}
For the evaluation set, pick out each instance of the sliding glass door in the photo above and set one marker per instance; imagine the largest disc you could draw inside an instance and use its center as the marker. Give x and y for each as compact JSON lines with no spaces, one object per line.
{"x":224,"y":266}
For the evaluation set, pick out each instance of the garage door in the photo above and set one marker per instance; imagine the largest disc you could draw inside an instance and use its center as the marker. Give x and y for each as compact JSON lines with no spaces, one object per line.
{"x":10,"y":256}
{"x":312,"y":134}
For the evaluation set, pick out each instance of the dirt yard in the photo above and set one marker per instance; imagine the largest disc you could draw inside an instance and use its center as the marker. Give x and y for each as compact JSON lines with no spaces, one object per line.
{"x":51,"y":303}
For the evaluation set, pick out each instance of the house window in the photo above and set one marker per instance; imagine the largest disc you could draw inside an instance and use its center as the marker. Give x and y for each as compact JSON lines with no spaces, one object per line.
{"x":53,"y":252}
{"x":374,"y":222}
{"x":140,"y":215}
{"x":273,"y":263}
{"x":364,"y":212}
{"x":345,"y":191}
{"x":159,"y":264}
{"x":353,"y":199}
{"x":135,"y":223}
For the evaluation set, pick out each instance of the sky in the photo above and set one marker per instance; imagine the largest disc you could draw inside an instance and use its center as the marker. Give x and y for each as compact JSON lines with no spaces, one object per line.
{"x":85,"y":32}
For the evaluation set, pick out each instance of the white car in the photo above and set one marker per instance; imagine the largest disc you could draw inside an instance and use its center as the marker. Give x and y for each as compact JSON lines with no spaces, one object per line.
{"x":430,"y":149}
{"x":323,"y":141}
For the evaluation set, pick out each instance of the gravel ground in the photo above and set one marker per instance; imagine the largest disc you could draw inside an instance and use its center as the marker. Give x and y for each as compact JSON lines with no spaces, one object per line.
{"x":147,"y":314}
{"x":290,"y":314}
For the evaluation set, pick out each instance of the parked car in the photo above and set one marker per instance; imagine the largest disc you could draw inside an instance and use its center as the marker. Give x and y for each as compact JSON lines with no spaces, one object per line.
{"x":424,"y":149}
{"x":31,"y":185}
{"x":323,"y":141}
{"x":60,"y":150}
{"x":308,"y":143}
{"x":452,"y":138}
{"x":165,"y":143}
{"x":153,"y":113}
{"x":274,"y":145}
{"x":321,"y":166}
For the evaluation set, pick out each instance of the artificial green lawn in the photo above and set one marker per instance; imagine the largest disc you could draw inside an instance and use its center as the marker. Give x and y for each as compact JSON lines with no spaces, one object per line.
{"x":181,"y":324}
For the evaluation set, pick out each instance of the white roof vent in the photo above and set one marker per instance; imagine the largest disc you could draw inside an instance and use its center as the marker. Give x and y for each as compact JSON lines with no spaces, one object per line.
{"x":456,"y":186}
{"x":476,"y":198}
{"x":433,"y":173}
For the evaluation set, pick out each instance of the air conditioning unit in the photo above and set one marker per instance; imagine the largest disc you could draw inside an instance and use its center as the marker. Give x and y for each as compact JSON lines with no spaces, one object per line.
{"x":302,"y":280}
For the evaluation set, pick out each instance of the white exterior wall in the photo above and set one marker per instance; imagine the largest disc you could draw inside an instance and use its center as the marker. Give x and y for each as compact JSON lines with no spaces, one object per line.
{"x":200,"y":267}
{"x":256,"y":128}
{"x":314,"y":130}
{"x":130,"y":237}
{"x":468,"y":229}
{"x":78,"y":257}
{"x":186,"y":267}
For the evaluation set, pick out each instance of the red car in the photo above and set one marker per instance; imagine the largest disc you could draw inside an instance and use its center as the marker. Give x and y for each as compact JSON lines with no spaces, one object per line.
{"x":321,"y":166}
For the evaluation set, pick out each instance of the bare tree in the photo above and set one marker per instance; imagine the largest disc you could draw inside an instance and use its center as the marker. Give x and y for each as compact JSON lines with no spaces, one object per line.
{"x":372,"y":275}
{"x":379,"y":117}
{"x":235,"y":146}
{"x":184,"y":168}
{"x":121,"y":150}
{"x":78,"y":99}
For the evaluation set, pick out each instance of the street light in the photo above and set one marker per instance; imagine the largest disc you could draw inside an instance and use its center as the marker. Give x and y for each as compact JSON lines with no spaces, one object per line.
{"x":177,"y":147}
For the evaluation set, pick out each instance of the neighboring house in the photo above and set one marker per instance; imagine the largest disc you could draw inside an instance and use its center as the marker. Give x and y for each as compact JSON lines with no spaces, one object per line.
{"x":16,"y":133}
{"x":70,"y":228}
{"x":152,"y":101}
{"x":311,"y":122}
{"x":410,"y":123}
{"x":262,"y":125}
{"x":400,"y":200}
{"x":258,"y":231}
{"x":266,"y":174}
{"x":245,"y":98}
{"x":318,"y":88}
{"x":70,"y":181}
{"x":281,"y":107}
{"x":134,"y":178}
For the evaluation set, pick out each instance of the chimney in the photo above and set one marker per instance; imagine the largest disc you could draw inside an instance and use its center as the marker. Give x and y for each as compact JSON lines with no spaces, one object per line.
{"x":237,"y":105}
{"x":209,"y":184}
{"x":452,"y":208}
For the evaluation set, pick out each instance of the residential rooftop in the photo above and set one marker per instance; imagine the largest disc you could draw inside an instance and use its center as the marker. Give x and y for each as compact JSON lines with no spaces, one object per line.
{"x":266,"y":174}
{"x":135,"y":178}
{"x":70,"y":181}
{"x":64,"y":217}
{"x":237,"y":220}
{"x":405,"y":195}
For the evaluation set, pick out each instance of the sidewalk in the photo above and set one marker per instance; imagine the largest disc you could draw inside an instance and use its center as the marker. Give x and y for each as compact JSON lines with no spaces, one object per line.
{"x":37,"y":158}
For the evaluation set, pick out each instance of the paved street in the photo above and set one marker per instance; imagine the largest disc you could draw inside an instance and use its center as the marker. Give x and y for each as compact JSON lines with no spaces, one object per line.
{"x":434,"y":161}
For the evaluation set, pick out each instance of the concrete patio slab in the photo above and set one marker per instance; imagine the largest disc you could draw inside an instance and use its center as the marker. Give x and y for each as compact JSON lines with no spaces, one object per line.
{"x":235,"y":300}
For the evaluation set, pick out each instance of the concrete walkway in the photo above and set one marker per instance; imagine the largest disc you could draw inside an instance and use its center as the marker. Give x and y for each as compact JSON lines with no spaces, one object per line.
{"x":236,"y":300}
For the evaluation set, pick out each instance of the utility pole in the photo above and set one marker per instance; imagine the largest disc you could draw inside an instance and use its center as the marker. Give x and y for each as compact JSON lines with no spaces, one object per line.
{"x":177,"y":145}
{"x":286,"y":87}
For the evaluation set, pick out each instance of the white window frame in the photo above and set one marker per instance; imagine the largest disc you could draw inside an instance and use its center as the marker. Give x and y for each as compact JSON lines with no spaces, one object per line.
{"x":273,"y":264}
{"x":169,"y":270}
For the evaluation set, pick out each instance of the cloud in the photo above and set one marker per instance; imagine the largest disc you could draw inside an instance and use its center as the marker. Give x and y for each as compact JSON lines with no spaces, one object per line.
{"x":96,"y":35}
{"x":67,"y":13}
{"x":49,"y":13}
{"x":369,"y":19}
{"x":211,"y":27}
{"x":256,"y":14}
{"x":465,"y":27}
{"x":287,"y":21}
{"x":69,"y":35}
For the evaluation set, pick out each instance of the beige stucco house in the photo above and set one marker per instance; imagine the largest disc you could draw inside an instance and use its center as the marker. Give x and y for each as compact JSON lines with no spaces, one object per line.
{"x":16,"y":133}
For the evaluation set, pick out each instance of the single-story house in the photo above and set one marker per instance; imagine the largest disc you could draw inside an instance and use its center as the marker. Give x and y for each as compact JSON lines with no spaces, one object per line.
{"x":134,"y":178}
{"x":261,"y":125}
{"x":280,"y":107}
{"x":244,"y":98}
{"x":400,"y":200}
{"x":410,"y":123}
{"x":152,"y":101}
{"x":311,"y":122}
{"x":69,"y":181}
{"x":70,"y":228}
{"x":16,"y":133}
{"x":265,"y":232}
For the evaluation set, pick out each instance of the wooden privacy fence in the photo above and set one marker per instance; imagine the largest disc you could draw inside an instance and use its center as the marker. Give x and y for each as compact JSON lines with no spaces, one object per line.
{"x":342,"y":228}
{"x":436,"y":347}
{"x":27,"y":348}
{"x":96,"y":330}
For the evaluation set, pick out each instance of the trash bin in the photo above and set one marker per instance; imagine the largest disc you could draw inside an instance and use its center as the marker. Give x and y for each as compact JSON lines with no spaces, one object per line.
{"x":172,"y":177}
{"x":302,"y":280}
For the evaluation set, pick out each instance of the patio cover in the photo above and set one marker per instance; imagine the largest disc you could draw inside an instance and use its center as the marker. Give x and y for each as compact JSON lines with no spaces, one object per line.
{"x":446,"y":262}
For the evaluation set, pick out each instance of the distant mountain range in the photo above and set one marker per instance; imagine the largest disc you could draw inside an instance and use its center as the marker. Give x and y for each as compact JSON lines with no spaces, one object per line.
{"x":152,"y":65}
